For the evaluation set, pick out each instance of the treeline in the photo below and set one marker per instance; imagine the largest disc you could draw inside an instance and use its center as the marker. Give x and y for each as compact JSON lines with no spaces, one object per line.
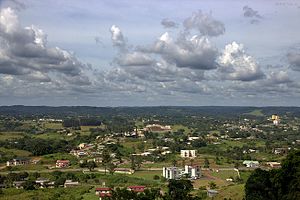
{"x":81,"y":122}
{"x":279,"y":184}
{"x":39,"y":146}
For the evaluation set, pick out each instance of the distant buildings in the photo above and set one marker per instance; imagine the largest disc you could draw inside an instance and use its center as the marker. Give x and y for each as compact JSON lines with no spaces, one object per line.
{"x":18,"y":161}
{"x":157,"y":128}
{"x":188,"y":153}
{"x":62,"y":163}
{"x":171,"y":172}
{"x":103,"y":192}
{"x":192,"y":172}
{"x":275,"y":119}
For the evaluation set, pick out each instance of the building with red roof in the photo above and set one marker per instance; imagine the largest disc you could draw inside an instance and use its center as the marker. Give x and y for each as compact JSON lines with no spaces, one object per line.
{"x":136,"y":188}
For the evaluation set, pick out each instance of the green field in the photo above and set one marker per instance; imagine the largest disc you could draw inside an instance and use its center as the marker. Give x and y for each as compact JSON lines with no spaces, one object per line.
{"x":10,"y":135}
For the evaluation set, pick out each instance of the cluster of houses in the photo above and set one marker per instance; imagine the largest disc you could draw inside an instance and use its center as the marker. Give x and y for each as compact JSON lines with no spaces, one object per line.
{"x":46,"y":183}
{"x":105,"y":192}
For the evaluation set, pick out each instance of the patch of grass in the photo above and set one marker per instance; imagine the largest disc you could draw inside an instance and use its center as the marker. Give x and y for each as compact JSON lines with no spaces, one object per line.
{"x":55,"y":126}
{"x":224,"y":174}
{"x":16,"y":152}
{"x":256,"y":112}
{"x":10,"y":135}
{"x":148,"y":175}
{"x":234,"y":192}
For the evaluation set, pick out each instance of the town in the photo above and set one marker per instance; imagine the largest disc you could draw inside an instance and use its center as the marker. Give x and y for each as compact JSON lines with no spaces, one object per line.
{"x":99,"y":156}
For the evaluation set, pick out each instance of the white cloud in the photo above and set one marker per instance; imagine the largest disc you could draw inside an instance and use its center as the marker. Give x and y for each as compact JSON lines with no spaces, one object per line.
{"x":117,"y":36}
{"x":205,"y":24}
{"x":237,"y":65}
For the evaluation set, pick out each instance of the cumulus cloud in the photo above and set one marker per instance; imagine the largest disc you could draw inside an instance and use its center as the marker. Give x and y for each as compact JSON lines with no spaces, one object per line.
{"x":195,"y":52}
{"x":167,"y":23}
{"x":205,"y":24}
{"x":251,"y":14}
{"x":135,"y":59}
{"x":117,"y":36}
{"x":294,"y":60}
{"x":280,"y":77}
{"x":237,"y":65}
{"x":24,"y":52}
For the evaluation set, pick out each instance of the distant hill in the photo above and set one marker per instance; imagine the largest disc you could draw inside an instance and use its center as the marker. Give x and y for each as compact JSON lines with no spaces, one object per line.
{"x":222,"y":111}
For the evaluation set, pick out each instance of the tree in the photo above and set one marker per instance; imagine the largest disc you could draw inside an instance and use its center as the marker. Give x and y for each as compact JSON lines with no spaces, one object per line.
{"x":283,"y":184}
{"x":111,"y":168}
{"x":106,"y":159}
{"x":259,"y":186}
{"x":179,"y":189}
{"x":28,"y":185}
{"x":212,"y":185}
{"x":91,"y":165}
{"x":206,"y":163}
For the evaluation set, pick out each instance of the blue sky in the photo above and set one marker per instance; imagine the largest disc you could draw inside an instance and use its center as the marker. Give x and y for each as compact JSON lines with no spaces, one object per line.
{"x":139,"y":53}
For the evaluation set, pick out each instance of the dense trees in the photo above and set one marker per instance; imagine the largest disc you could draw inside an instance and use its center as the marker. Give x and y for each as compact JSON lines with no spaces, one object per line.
{"x":283,"y":184}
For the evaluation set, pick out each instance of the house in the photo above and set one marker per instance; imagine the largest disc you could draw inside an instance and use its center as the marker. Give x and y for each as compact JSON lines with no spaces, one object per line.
{"x":42,"y":182}
{"x":70,"y":183}
{"x":188,"y":153}
{"x":18,"y":161}
{"x":18,"y":184}
{"x":275,"y":165}
{"x":171,"y":172}
{"x":124,"y":170}
{"x":103,"y":192}
{"x":280,"y":151}
{"x":136,"y":188}
{"x":62,"y":163}
{"x":192,"y":172}
{"x":212,"y":193}
{"x":251,"y":163}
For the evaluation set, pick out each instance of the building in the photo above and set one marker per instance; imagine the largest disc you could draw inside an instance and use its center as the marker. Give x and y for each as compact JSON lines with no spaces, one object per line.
{"x":192,"y":172}
{"x":104,"y":192}
{"x":157,"y":128}
{"x":188,"y":153}
{"x":18,"y":184}
{"x":18,"y":161}
{"x":280,"y":151}
{"x":275,"y":165}
{"x":251,"y":163}
{"x":171,"y":172}
{"x":136,"y":188}
{"x":42,"y":182}
{"x":62,"y":163}
{"x":70,"y":183}
{"x":212,"y":193}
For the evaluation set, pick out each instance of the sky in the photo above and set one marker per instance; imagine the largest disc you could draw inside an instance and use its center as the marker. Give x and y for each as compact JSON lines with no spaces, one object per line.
{"x":150,"y":53}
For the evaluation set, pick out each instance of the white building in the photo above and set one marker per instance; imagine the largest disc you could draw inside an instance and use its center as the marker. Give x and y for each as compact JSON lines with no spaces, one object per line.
{"x":171,"y":172}
{"x":188,"y":153}
{"x":192,"y":172}
{"x":251,"y":163}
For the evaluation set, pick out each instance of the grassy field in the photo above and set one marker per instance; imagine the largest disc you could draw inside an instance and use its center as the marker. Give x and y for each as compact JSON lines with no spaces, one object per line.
{"x":55,"y":126}
{"x":235,"y":192}
{"x":16,"y":152}
{"x":256,"y":112}
{"x":179,"y":126}
{"x":10,"y":135}
{"x":224,"y":174}
{"x":147,"y":175}
{"x":45,"y":194}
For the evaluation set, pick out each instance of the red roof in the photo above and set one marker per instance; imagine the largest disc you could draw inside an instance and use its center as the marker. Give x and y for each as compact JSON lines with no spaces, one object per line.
{"x":63,"y":161}
{"x":103,"y":189}
{"x":137,"y":187}
{"x":105,"y":195}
